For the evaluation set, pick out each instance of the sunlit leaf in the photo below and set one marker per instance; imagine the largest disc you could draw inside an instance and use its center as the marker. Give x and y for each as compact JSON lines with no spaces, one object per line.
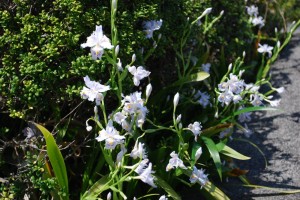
{"x":162,"y":183}
{"x":249,"y":109}
{"x":96,"y":189}
{"x":56,"y":160}
{"x":233,"y":154}
{"x":214,"y":153}
{"x":210,"y":191}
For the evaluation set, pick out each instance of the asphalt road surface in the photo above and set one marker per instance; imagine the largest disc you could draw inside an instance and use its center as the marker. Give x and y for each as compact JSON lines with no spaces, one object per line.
{"x":277,"y":134}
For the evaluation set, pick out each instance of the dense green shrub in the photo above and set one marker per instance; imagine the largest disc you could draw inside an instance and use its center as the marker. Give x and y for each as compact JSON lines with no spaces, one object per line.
{"x":42,"y":64}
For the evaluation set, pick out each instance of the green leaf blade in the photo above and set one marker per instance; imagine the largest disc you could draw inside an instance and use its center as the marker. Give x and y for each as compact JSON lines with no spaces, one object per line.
{"x":56,"y":160}
{"x":213,"y":150}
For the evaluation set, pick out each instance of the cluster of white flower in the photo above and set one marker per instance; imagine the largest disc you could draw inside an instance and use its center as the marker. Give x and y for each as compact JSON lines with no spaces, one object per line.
{"x":231,"y":90}
{"x":133,"y":109}
{"x":254,"y":18}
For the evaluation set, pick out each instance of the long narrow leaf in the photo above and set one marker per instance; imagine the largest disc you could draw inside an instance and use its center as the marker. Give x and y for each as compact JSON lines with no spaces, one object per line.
{"x":233,"y":154}
{"x":56,"y":160}
{"x":162,"y":183}
{"x":214,"y":153}
{"x":279,"y":190}
{"x":96,"y":189}
{"x":210,"y":191}
{"x":249,"y":109}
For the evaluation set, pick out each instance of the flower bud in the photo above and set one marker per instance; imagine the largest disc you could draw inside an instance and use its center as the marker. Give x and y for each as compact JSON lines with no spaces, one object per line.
{"x":159,"y":36}
{"x":276,"y":30}
{"x":198,"y":154}
{"x":108,"y":197}
{"x":96,"y":110}
{"x":222,"y":12}
{"x":230,"y":67}
{"x":278,"y":44}
{"x":148,"y":90}
{"x":244,"y":54}
{"x":119,"y":65}
{"x":279,"y":90}
{"x":117,"y":49}
{"x":180,"y":126}
{"x":176,"y":99}
{"x":206,"y":11}
{"x":89,"y":128}
{"x":133,"y":58}
{"x":178,"y":119}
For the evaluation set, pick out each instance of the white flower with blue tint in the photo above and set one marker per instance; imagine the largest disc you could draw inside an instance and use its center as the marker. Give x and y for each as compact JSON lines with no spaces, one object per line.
{"x":97,"y":42}
{"x":252,"y":10}
{"x":258,"y":21}
{"x":175,"y":161}
{"x":151,"y":26}
{"x":163,"y":197}
{"x":203,"y":98}
{"x":111,"y":136}
{"x":145,"y":172}
{"x":195,"y":128}
{"x":198,"y":176}
{"x":138,"y":74}
{"x":206,"y":67}
{"x":93,"y":90}
{"x":265,"y":49}
{"x":138,"y":151}
{"x":256,"y":99}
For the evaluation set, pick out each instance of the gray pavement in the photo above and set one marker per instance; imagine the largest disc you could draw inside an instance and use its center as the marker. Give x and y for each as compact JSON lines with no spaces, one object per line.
{"x":277,"y":134}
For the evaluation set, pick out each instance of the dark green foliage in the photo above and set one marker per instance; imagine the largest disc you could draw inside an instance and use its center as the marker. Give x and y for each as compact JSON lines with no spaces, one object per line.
{"x":42,"y":62}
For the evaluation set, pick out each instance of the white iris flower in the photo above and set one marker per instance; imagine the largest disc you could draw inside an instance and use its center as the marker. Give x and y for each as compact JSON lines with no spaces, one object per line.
{"x":97,"y":42}
{"x":93,"y":90}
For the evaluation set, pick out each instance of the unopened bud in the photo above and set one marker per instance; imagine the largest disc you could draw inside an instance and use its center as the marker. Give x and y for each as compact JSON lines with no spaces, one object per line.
{"x":117,"y":50}
{"x":276,"y":30}
{"x":159,"y":36}
{"x":119,"y":65}
{"x":278,"y":44}
{"x":244,"y":54}
{"x":133,"y":58}
{"x":230,"y":67}
{"x":206,"y":11}
{"x":178,"y":119}
{"x":180,"y":126}
{"x":176,"y":99}
{"x":96,"y":110}
{"x":198,"y":154}
{"x":154,"y":44}
{"x":222,"y":12}
{"x":148,"y":90}
{"x":108,"y":197}
{"x":89,"y":128}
